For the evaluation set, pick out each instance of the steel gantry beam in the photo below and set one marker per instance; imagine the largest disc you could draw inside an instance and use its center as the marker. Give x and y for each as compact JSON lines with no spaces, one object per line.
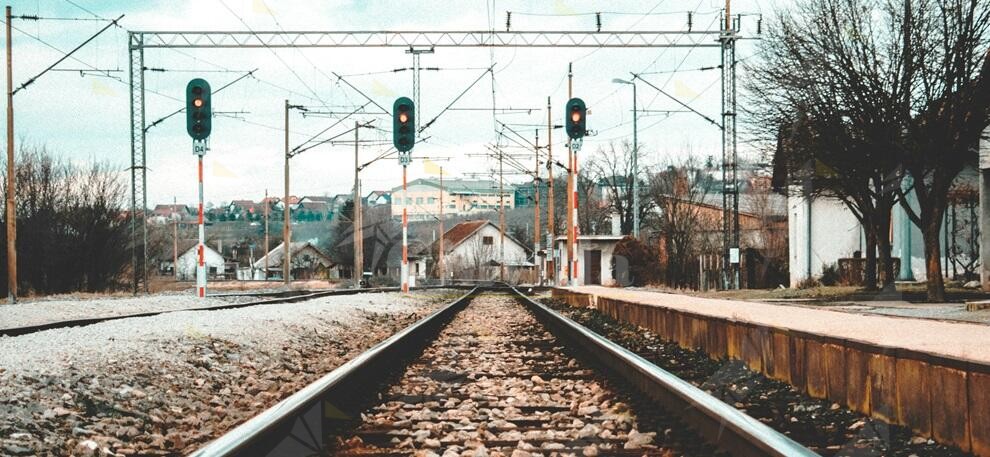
{"x":138,"y":41}
{"x":429,"y":39}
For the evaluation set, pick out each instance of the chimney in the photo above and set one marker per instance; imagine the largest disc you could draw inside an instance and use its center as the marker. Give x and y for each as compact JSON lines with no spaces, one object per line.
{"x":616,"y":224}
{"x":220,"y":246}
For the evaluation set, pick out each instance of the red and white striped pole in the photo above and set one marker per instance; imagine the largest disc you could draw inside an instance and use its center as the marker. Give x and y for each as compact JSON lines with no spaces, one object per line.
{"x":575,"y":226}
{"x":404,"y":270}
{"x":201,"y":246}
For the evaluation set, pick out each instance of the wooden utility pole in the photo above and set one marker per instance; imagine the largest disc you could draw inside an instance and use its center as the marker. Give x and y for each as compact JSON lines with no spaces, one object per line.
{"x":440,"y":265}
{"x":11,"y":178}
{"x":551,"y":233}
{"x":175,"y":240}
{"x":286,"y":210}
{"x":264,"y":263}
{"x":357,"y":219}
{"x":538,"y":265}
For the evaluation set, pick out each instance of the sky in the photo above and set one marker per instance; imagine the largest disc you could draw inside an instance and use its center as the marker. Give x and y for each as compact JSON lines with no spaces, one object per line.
{"x":85,"y":117}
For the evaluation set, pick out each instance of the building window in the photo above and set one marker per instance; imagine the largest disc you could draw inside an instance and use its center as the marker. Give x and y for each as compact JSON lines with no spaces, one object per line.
{"x":408,"y":200}
{"x":452,"y":206}
{"x":431,"y":200}
{"x":487,"y":240}
{"x":419,"y":200}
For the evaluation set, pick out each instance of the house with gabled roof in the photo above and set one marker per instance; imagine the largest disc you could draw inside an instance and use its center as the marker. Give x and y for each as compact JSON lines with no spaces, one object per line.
{"x":475,"y":250}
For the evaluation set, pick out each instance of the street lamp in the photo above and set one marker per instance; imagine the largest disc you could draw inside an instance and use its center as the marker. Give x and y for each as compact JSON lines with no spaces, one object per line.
{"x":635,"y":160}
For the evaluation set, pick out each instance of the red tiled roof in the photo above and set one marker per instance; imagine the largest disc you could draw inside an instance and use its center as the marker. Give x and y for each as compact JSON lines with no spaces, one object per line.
{"x":460,"y":232}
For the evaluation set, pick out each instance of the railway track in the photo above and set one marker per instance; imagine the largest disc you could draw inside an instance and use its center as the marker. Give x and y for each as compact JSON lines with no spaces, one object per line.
{"x":271,"y":298}
{"x":496,"y":381}
{"x":494,"y":373}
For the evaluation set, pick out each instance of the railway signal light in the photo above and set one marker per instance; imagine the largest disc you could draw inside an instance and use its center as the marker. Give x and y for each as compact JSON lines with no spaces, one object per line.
{"x":576,"y":121}
{"x":403,"y":124}
{"x":198,"y":114}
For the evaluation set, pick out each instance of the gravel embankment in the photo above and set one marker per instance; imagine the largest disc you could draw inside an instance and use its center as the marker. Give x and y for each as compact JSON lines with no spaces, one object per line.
{"x":58,"y":309}
{"x":164,"y":385}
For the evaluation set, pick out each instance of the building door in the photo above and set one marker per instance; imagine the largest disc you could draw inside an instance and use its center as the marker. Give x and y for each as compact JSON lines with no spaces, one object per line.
{"x":593,"y":267}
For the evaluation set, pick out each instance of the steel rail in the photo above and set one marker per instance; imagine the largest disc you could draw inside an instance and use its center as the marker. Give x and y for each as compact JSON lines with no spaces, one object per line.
{"x":728,"y":428}
{"x":288,"y":297}
{"x":294,"y":425}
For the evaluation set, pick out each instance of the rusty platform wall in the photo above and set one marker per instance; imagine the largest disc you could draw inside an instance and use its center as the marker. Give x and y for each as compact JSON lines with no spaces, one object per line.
{"x":938,"y":397}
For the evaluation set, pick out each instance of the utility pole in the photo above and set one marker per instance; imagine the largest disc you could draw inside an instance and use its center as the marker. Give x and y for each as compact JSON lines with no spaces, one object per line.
{"x":358,"y":218}
{"x":443,"y":278}
{"x":11,"y":178}
{"x":730,"y":188}
{"x":551,"y":203}
{"x":175,"y":240}
{"x":501,"y":221}
{"x":264,"y":263}
{"x":635,"y":166}
{"x":536,"y":212}
{"x":635,"y":160}
{"x":286,"y":210}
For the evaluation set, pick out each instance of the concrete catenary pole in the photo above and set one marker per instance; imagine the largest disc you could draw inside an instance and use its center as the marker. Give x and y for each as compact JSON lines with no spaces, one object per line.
{"x":11,"y":178}
{"x":286,"y":209}
{"x":551,"y":203}
{"x":635,"y":168}
{"x":536,"y":212}
{"x":443,"y":276}
{"x":501,"y":221}
{"x":264,"y":263}
{"x":357,"y":220}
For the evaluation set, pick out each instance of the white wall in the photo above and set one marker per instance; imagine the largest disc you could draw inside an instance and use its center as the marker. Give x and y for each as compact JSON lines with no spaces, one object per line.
{"x":188,"y":260}
{"x":835,"y":233}
{"x":606,"y":246}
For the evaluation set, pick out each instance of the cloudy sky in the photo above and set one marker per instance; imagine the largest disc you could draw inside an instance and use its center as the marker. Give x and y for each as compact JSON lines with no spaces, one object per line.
{"x":85,"y":117}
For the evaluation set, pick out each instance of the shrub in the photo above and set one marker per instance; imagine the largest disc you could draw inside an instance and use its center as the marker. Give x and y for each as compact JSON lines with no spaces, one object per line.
{"x":830,"y":275}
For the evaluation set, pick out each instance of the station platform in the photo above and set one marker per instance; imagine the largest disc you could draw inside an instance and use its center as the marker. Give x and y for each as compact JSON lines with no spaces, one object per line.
{"x":932,"y":376}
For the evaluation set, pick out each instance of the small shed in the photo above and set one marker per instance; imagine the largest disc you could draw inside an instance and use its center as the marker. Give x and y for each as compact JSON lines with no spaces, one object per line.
{"x":596,"y":263}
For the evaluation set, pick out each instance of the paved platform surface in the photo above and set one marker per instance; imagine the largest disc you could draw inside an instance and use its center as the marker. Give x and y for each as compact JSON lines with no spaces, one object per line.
{"x":902,"y":308}
{"x":961,"y":340}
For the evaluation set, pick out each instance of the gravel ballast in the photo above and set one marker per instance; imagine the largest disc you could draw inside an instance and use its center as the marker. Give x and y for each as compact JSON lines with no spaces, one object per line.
{"x":59,"y":309}
{"x":827,"y":428}
{"x":166,"y":384}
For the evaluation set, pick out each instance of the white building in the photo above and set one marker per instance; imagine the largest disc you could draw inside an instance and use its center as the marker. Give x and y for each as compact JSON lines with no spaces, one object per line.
{"x":189,"y":257}
{"x":474,"y":250}
{"x":596,"y":263}
{"x":824,"y":231}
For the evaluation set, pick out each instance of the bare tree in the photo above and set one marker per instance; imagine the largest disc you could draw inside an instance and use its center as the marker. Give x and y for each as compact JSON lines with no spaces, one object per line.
{"x":685,"y":224}
{"x":828,"y":92}
{"x":71,"y":229}
{"x":947,"y":110}
{"x":612,"y":168}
